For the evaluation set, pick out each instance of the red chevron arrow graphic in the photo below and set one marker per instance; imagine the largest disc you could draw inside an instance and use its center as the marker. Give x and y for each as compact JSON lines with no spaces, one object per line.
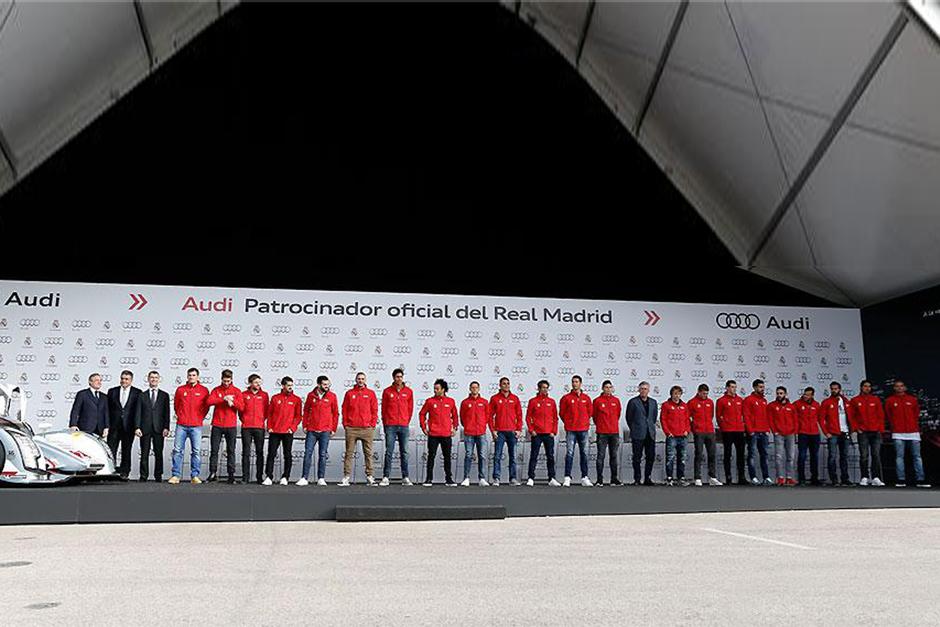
{"x":651,"y":318}
{"x":137,"y":302}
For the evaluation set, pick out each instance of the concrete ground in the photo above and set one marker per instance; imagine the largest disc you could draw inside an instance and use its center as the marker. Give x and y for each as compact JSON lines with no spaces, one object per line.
{"x":832,"y":567}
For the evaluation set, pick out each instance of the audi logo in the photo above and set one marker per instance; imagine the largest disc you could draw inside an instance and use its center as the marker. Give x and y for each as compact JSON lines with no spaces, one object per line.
{"x":102,"y":342}
{"x":696,"y":341}
{"x":305,"y":348}
{"x":280,"y":329}
{"x":279,"y":363}
{"x":677,"y":356}
{"x":738,"y":342}
{"x":449,"y":351}
{"x":654,"y":339}
{"x":156,"y":343}
{"x":737,"y":321}
{"x":378,"y":366}
{"x":231,"y":328}
{"x":720,"y":358}
{"x":254,"y":346}
{"x":129,"y":361}
{"x":843,"y":361}
{"x":633,"y":356}
{"x":802,"y":360}
{"x":53,"y":341}
{"x":588,"y":354}
{"x":131,"y":326}
{"x":402,"y":350}
{"x":46,"y":413}
{"x":742,"y":374}
{"x":824,"y":376}
{"x":81,"y":324}
{"x":204,"y":345}
{"x":783,"y":375}
{"x":566,"y":371}
{"x":496,"y":352}
{"x":610,"y":339}
{"x":472,"y":335}
{"x":543,"y":353}
{"x":611,"y":372}
{"x":655,"y":372}
{"x":328,"y":365}
{"x":520,"y":370}
{"x":473,"y":369}
{"x":48,"y":377}
{"x":821,"y":345}
{"x":229,"y":363}
{"x":761,"y":359}
{"x":699,"y":374}
{"x":781,"y":343}
{"x":6,"y":339}
{"x":25,"y":358}
{"x":179,"y":361}
{"x":77,"y":359}
{"x":182,"y":326}
{"x":378,"y":332}
{"x":353,"y":348}
{"x":425,"y":333}
{"x":519,"y":336}
{"x":424,"y":368}
{"x":565,"y":337}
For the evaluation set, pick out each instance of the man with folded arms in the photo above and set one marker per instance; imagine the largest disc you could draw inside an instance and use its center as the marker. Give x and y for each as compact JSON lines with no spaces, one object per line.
{"x":284,"y":415}
{"x":541,"y":418}
{"x":606,"y":415}
{"x":782,"y":417}
{"x":474,"y":416}
{"x":253,"y":415}
{"x":321,"y":417}
{"x":439,"y":421}
{"x":360,"y":415}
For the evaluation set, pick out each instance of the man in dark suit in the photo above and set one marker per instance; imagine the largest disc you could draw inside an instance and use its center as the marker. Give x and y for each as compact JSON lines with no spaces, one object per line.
{"x":90,"y":409}
{"x":123,"y":402}
{"x":641,"y":420}
{"x":152,"y":425}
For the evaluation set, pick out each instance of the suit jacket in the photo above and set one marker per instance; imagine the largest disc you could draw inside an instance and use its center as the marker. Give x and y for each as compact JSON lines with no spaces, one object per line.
{"x":153,"y":418}
{"x":87,"y":414}
{"x":123,"y":417}
{"x":641,"y":425}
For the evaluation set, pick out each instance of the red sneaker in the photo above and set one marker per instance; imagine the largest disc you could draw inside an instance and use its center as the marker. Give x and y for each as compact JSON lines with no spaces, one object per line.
{"x":781,"y":481}
{"x":791,"y":481}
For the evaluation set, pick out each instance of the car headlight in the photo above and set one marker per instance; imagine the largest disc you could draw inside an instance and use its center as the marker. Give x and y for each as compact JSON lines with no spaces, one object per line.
{"x":28,"y":448}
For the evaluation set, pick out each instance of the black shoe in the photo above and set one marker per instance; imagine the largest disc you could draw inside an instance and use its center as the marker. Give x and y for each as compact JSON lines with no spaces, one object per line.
{"x":158,"y":479}
{"x":599,"y":484}
{"x":212,"y":478}
{"x":833,"y":484}
{"x":816,"y":482}
{"x":617,"y":482}
{"x":846,"y":482}
{"x":636,"y":482}
{"x":743,"y":482}
{"x":648,"y":482}
{"x":142,"y":480}
{"x":232,"y":480}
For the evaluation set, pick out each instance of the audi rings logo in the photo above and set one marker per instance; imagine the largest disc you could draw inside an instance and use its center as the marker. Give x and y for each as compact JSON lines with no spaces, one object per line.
{"x":156,"y":343}
{"x":761,"y":359}
{"x":824,"y":376}
{"x":182,"y":326}
{"x":633,"y":356}
{"x":254,"y":346}
{"x":821,"y":345}
{"x":377,"y":366}
{"x":655,"y":372}
{"x":781,"y":343}
{"x":611,"y":372}
{"x":472,"y":335}
{"x":697,"y":341}
{"x":179,"y":361}
{"x":519,"y":336}
{"x":449,"y":351}
{"x":719,"y":358}
{"x":742,"y":374}
{"x":654,"y":339}
{"x":353,"y":348}
{"x":104,"y":342}
{"x":45,"y":413}
{"x":231,"y":328}
{"x":6,"y":339}
{"x":129,"y":361}
{"x":542,"y":353}
{"x":565,"y":337}
{"x":425,"y":333}
{"x":26,"y":323}
{"x":737,"y":321}
{"x":205,"y":345}
{"x":279,"y":363}
{"x":473,"y":369}
{"x":77,"y":359}
{"x":496,"y":352}
{"x":81,"y":324}
{"x":49,"y":377}
{"x":566,"y":371}
{"x":520,"y":370}
{"x":305,"y":348}
{"x":229,"y":363}
{"x":783,"y":375}
{"x":401,"y":350}
{"x":131,"y":326}
{"x":329,"y":331}
{"x":699,"y":374}
{"x":425,"y":368}
{"x":53,"y":341}
{"x":280,"y":329}
{"x":25,"y":359}
{"x":738,"y":342}
{"x":843,"y":361}
{"x":802,"y":360}
{"x":588,"y":354}
{"x":378,"y":332}
{"x":328,"y":365}
{"x":674,"y":357}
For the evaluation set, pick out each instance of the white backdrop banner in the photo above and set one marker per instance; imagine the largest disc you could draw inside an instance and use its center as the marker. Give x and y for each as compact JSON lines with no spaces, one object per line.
{"x":52,"y":335}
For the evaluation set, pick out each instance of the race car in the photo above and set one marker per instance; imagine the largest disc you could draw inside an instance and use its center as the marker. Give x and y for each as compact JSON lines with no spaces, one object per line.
{"x":48,"y":459}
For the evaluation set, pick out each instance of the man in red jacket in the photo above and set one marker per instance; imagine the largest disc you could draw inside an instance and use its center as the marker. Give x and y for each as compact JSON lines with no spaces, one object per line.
{"x":474,"y":416}
{"x":729,"y":413}
{"x":757,"y":427}
{"x":702,"y":412}
{"x":191,"y":406}
{"x":321,"y":417}
{"x":675,"y":420}
{"x":506,"y":428}
{"x":439,"y":421}
{"x":360,"y":415}
{"x":836,"y":426}
{"x":808,"y":420}
{"x":253,"y":414}
{"x":606,"y":416}
{"x":782,"y":416}
{"x":227,"y":401}
{"x":541,"y":418}
{"x":903,"y":413}
{"x":398,"y":406}
{"x":575,"y":410}
{"x":867,"y":418}
{"x":284,"y":415}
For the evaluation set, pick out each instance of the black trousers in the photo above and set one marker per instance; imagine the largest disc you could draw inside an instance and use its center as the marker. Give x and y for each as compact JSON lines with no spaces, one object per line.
{"x":643,"y":447}
{"x":145,"y":441}
{"x":215,"y":440}
{"x":285,"y":441}
{"x":253,"y":437}
{"x":446,"y":444}
{"x":706,"y":441}
{"x":735,"y":440}
{"x":608,"y":443}
{"x":124,"y":437}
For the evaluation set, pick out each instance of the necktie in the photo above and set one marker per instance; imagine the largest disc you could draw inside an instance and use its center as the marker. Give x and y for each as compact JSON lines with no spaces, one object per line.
{"x":96,"y":396}
{"x":153,"y":397}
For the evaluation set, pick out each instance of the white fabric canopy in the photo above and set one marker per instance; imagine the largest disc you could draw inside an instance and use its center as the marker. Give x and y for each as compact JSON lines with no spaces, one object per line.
{"x":807,"y":135}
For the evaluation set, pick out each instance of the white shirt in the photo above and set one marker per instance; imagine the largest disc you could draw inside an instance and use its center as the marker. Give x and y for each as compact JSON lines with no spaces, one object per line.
{"x":843,"y":417}
{"x":913,"y":437}
{"x":124,"y":392}
{"x":94,"y":392}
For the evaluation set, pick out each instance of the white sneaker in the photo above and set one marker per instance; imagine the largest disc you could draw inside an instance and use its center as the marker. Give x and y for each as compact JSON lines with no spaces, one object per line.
{"x":427,"y":484}
{"x":321,"y":481}
{"x":714,"y":481}
{"x":370,"y":480}
{"x":484,"y":483}
{"x":768,"y":481}
{"x":267,"y":481}
{"x":554,"y":483}
{"x":698,"y":483}
{"x":900,"y":485}
{"x":877,"y":482}
{"x":283,"y":481}
{"x":923,"y":485}
{"x":530,"y":482}
{"x":344,"y":482}
{"x":755,"y":481}
{"x":466,"y":482}
{"x":302,"y":482}
{"x":406,"y":481}
{"x":586,"y":482}
{"x":567,"y":482}
{"x":864,"y":481}
{"x":495,"y":483}
{"x":383,"y":482}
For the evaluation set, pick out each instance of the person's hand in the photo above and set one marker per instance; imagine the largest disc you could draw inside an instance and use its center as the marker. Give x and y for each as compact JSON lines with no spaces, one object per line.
{"x":518,"y":434}
{"x":166,"y":433}
{"x":104,"y":433}
{"x":73,"y":428}
{"x":138,"y":433}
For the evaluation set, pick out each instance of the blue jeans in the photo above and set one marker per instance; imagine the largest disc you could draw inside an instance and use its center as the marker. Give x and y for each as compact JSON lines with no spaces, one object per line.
{"x":313,"y":439}
{"x":194,"y":435}
{"x":757,"y":441}
{"x":548,"y":441}
{"x":838,"y":447}
{"x":509,"y":438}
{"x":393,"y":434}
{"x":914,"y":447}
{"x":581,"y":437}
{"x":675,"y":452}
{"x":469,"y":442}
